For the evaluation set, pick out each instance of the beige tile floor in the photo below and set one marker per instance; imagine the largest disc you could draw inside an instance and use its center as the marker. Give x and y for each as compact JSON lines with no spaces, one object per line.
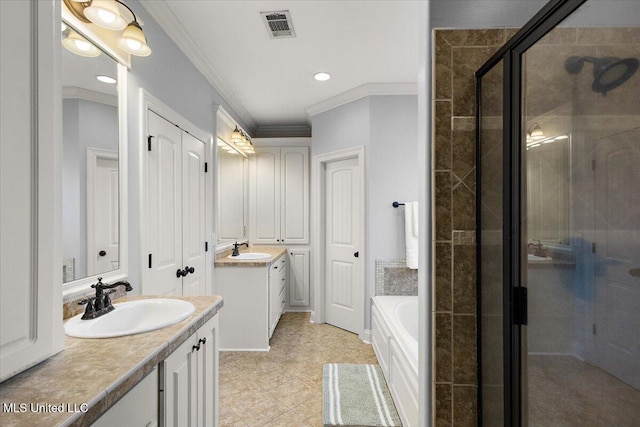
{"x":564,"y":391}
{"x":283,"y":387}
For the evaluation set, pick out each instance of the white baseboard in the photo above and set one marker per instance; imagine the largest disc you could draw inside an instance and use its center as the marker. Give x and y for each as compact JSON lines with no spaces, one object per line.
{"x":366,"y":337}
{"x":298,"y":310}
{"x":246,"y":349}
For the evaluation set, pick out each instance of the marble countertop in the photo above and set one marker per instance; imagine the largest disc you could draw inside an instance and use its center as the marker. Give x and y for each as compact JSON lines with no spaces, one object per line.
{"x":223,"y":259}
{"x":91,"y":375}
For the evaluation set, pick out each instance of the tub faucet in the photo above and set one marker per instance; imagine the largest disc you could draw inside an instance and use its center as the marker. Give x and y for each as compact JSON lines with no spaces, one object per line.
{"x":236,"y":252}
{"x":101,"y":303}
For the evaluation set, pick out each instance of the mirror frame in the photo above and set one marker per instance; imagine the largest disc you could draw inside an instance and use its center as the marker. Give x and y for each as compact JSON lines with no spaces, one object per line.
{"x":81,"y":287}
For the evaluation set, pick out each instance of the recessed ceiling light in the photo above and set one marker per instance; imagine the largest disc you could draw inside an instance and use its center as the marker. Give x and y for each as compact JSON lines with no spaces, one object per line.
{"x":322,"y":76}
{"x":106,"y":79}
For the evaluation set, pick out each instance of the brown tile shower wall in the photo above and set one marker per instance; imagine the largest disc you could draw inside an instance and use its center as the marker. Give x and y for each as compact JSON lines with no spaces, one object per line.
{"x":458,"y":54}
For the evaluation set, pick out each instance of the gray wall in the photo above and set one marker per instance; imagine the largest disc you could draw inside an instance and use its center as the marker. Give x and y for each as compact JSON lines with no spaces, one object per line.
{"x":387,"y":127}
{"x":469,"y":14}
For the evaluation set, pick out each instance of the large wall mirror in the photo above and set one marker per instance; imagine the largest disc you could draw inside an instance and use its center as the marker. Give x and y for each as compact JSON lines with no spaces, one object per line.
{"x":548,"y":145}
{"x":94,"y":187}
{"x":232,"y":194}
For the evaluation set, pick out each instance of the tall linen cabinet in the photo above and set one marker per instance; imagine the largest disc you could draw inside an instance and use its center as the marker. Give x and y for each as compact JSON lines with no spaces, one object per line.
{"x":279,"y":207}
{"x":30,"y":185}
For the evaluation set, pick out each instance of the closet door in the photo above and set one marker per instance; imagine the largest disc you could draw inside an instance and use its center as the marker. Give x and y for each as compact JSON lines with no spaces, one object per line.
{"x":164,"y":207}
{"x":193,"y":229}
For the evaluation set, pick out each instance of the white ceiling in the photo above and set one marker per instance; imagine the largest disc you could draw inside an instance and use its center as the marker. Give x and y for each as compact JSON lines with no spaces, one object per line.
{"x":269,"y":82}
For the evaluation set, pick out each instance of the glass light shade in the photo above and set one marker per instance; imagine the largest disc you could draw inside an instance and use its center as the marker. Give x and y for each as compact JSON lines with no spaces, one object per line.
{"x":77,"y":44}
{"x":105,"y":13}
{"x":236,"y":136}
{"x":133,"y":40}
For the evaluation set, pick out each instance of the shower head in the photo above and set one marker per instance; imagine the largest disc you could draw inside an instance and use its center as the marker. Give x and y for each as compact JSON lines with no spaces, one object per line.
{"x":608,"y":72}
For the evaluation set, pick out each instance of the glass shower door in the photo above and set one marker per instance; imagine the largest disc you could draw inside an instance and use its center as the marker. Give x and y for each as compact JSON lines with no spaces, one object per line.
{"x":580,"y":223}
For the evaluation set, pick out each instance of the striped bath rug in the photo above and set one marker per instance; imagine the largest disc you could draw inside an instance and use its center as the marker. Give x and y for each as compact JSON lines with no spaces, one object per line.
{"x":356,"y":395}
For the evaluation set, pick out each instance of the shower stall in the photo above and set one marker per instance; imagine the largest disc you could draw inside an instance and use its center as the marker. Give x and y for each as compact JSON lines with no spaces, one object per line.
{"x":558,"y":220}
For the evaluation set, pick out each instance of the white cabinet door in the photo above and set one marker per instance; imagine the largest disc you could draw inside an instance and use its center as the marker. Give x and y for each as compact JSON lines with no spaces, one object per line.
{"x":138,"y":408}
{"x":298,"y":277}
{"x":265,"y":196}
{"x":180,"y":388}
{"x":189,"y":390}
{"x":280,"y":195}
{"x":30,"y":186}
{"x":294,"y":195}
{"x":193,"y":209}
{"x":175,"y":217}
{"x":208,"y":361}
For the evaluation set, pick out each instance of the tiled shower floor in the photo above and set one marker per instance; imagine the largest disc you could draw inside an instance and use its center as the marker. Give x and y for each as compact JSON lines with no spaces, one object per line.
{"x":283,"y":387}
{"x":563,"y":391}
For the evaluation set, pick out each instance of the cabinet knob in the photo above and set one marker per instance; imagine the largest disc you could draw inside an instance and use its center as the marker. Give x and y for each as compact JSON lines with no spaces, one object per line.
{"x":202,"y":340}
{"x":196,"y":347}
{"x":102,"y":253}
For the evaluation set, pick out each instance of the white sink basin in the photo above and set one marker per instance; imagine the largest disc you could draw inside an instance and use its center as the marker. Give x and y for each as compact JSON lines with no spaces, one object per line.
{"x":251,"y":255}
{"x":132,"y":317}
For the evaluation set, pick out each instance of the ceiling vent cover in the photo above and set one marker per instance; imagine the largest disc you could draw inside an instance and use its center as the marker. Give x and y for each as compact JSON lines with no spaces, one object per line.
{"x":279,"y":24}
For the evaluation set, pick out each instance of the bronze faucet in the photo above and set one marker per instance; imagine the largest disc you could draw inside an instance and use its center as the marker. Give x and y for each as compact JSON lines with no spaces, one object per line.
{"x":537,"y":249}
{"x":101,"y":303}
{"x":236,"y":252}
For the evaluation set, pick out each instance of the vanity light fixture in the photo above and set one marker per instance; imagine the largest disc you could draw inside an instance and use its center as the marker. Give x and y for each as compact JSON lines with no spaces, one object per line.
{"x":241,"y":141}
{"x":108,"y":14}
{"x":322,"y":76}
{"x":106,"y":79}
{"x":76,"y":43}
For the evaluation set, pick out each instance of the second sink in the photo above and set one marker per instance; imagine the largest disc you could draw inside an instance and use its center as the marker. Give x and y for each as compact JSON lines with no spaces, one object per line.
{"x":251,"y":255}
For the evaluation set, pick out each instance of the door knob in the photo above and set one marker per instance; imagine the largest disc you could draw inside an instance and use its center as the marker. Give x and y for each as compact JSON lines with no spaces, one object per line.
{"x":357,"y":254}
{"x":635,"y":272}
{"x":181,"y":273}
{"x":189,"y":270}
{"x":102,"y":253}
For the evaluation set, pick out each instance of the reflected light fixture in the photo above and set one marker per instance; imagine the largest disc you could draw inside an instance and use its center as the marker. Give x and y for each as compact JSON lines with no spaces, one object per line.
{"x":108,"y":14}
{"x":106,"y":79}
{"x":322,"y":76}
{"x":534,"y":132}
{"x":76,"y":43}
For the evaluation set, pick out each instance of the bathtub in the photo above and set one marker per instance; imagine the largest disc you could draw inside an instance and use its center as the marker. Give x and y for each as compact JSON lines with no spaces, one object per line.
{"x":394,"y":335}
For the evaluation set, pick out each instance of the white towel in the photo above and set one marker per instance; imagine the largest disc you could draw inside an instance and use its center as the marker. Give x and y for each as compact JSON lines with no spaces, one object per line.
{"x":411,"y":234}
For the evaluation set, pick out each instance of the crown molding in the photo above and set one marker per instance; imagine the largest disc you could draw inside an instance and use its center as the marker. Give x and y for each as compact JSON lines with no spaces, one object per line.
{"x":367,"y":89}
{"x":74,"y":92}
{"x":170,"y":24}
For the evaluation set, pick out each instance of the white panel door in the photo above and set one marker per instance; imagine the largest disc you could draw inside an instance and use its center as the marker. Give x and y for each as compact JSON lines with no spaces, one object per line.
{"x":265,"y":197}
{"x":617,"y":175}
{"x":103,"y":216}
{"x":164,"y":207}
{"x":193,"y":209}
{"x":295,"y":195}
{"x":342,"y":272}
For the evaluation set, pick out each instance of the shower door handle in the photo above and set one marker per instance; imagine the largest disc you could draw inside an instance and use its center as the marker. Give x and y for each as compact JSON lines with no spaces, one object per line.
{"x":635,"y":272}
